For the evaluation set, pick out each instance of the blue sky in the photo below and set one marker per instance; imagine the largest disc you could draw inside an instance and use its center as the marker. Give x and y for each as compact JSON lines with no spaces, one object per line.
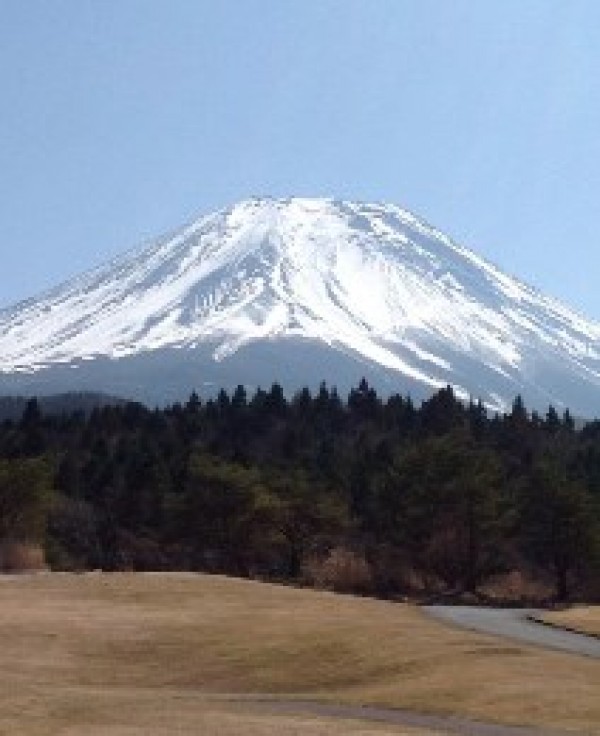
{"x":121,"y":119}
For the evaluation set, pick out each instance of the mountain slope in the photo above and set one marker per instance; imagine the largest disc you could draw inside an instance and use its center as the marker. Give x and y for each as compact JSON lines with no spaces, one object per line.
{"x":244,"y":294}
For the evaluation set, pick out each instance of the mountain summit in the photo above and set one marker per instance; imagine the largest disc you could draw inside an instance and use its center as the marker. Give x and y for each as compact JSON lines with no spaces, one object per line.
{"x":298,"y":291}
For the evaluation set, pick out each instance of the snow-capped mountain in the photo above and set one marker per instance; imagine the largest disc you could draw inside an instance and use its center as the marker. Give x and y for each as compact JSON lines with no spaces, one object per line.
{"x":299,"y":291}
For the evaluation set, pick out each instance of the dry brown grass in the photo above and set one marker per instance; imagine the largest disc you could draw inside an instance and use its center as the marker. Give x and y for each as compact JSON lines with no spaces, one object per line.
{"x":582,"y":618}
{"x":130,"y":654}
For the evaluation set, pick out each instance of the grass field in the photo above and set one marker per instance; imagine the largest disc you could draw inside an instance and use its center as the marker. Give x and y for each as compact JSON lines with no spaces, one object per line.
{"x":132,"y":654}
{"x":582,"y":618}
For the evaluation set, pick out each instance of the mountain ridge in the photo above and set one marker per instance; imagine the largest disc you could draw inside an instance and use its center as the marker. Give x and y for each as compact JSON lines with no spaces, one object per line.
{"x":369,"y":281}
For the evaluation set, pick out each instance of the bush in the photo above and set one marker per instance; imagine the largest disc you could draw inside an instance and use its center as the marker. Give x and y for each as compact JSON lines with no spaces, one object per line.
{"x":72,"y":541}
{"x":18,"y":557}
{"x":520,"y":585}
{"x":25,"y":498}
{"x":342,"y":570}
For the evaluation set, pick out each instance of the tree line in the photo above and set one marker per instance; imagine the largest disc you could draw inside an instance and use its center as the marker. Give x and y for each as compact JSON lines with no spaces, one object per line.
{"x":361,"y":493}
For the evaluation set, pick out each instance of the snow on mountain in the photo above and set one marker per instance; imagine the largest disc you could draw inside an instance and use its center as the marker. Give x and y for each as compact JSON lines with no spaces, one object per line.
{"x":243,"y":293}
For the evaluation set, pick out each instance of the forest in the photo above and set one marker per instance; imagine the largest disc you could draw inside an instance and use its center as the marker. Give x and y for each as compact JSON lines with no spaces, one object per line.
{"x":362,"y":494}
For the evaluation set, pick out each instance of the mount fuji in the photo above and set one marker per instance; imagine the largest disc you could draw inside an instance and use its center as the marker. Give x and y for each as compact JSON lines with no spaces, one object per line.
{"x":299,"y":291}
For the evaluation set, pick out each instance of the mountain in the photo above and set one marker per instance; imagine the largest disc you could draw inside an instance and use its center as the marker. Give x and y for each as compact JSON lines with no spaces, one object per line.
{"x":296,"y":291}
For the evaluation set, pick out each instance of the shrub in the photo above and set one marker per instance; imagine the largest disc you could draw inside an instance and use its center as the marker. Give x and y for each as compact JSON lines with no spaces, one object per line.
{"x":18,"y":557}
{"x":25,"y":498}
{"x":342,"y":570}
{"x":72,"y":541}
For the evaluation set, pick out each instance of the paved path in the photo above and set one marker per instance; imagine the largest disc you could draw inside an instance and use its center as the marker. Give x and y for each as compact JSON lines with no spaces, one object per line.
{"x":513,"y":623}
{"x":394,"y":717}
{"x":505,"y":622}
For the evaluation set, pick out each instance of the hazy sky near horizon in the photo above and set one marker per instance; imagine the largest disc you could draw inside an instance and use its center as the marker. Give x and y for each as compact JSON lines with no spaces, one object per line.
{"x":122,"y":119}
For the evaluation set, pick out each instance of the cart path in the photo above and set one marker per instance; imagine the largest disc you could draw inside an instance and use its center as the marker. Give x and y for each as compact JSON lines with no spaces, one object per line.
{"x":516,"y":624}
{"x":435,"y":724}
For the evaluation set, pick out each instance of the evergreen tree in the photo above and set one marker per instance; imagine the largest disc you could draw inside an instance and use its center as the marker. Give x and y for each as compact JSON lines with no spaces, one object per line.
{"x":558,"y":526}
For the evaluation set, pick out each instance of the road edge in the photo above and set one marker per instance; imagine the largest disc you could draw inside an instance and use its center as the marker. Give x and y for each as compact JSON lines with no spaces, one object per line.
{"x":536,"y":619}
